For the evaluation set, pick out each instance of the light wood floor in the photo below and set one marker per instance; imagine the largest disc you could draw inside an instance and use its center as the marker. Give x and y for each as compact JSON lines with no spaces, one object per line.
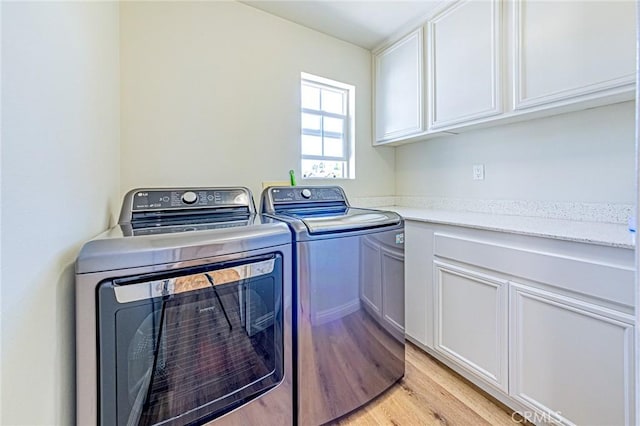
{"x":429,"y":394}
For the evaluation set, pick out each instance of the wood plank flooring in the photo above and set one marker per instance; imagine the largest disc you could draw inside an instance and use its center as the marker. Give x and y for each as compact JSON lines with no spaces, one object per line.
{"x":429,"y":394}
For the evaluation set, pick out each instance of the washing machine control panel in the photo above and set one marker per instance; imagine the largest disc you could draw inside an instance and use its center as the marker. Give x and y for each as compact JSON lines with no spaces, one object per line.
{"x":153,"y":200}
{"x":306,"y":194}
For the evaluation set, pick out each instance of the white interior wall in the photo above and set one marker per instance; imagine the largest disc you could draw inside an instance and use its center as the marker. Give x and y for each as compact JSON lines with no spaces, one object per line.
{"x":585,"y":156}
{"x":210,"y":96}
{"x":60,"y":166}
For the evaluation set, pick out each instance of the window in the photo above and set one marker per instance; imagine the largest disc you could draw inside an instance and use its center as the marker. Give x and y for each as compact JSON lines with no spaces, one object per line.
{"x":326,"y":140}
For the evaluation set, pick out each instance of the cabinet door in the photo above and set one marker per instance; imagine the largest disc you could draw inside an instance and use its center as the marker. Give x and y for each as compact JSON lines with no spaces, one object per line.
{"x":418,"y":255}
{"x":464,"y":57}
{"x":370,"y":273}
{"x":393,"y":288}
{"x":586,"y":50}
{"x":398,"y":89}
{"x":471,"y":321}
{"x":571,"y":360}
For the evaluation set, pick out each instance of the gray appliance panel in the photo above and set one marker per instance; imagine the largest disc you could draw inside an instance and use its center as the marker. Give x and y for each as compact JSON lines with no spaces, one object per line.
{"x":105,"y":254}
{"x":275,"y":406}
{"x":275,"y":198}
{"x":349,"y":219}
{"x":350,"y":321}
{"x":171,"y":199}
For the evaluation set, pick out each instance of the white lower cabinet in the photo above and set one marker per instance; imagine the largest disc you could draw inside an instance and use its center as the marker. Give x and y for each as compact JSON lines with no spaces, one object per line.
{"x":371,"y":276}
{"x":570,"y":359}
{"x":543,"y":325}
{"x":392,"y":292}
{"x":418,"y":242}
{"x":471,"y":321}
{"x":381,"y":280}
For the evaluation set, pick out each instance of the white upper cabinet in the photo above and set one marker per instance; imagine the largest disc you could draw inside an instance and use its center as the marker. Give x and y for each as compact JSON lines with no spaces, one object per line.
{"x":491,"y":62}
{"x":398,"y":89}
{"x":568,"y":51}
{"x":464,"y":57}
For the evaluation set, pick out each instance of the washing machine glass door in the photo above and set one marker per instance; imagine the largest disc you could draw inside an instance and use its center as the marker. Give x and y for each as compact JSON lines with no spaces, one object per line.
{"x":189,"y":346}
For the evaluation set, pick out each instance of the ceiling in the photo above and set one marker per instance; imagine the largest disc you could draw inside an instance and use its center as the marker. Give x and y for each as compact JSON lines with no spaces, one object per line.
{"x":364,"y":23}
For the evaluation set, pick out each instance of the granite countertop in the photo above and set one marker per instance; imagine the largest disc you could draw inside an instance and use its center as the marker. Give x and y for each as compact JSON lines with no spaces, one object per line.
{"x":601,"y":233}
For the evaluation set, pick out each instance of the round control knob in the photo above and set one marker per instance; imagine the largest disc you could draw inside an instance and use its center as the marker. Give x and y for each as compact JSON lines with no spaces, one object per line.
{"x":189,"y":197}
{"x":306,"y":193}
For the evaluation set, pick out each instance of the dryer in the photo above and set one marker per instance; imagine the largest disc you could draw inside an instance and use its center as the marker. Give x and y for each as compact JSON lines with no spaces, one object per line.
{"x":349,"y":293}
{"x":183,"y":313}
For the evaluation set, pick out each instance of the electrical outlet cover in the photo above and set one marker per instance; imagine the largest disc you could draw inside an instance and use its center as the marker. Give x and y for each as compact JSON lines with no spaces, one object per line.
{"x":478,"y":172}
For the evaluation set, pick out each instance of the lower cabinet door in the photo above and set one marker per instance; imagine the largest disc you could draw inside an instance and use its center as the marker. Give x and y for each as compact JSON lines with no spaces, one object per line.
{"x":471,"y":321}
{"x":571,"y":362}
{"x":418,"y":264}
{"x":393,"y":288}
{"x":370,"y":273}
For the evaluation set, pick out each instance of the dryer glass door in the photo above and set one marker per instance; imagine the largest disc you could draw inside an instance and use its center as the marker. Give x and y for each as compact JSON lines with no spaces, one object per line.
{"x":192,"y":345}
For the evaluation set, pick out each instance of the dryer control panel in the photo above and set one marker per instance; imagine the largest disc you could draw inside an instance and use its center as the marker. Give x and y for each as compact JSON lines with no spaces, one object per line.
{"x":153,"y":200}
{"x":185,"y":205}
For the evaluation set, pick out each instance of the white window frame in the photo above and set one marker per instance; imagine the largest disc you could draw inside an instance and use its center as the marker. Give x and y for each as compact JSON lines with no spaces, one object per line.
{"x":349,"y":123}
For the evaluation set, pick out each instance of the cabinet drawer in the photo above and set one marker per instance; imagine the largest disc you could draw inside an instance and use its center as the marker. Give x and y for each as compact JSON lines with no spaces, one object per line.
{"x":600,"y":280}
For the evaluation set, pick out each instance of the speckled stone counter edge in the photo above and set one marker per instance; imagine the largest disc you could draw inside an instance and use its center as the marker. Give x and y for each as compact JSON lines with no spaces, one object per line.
{"x":584,"y":212}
